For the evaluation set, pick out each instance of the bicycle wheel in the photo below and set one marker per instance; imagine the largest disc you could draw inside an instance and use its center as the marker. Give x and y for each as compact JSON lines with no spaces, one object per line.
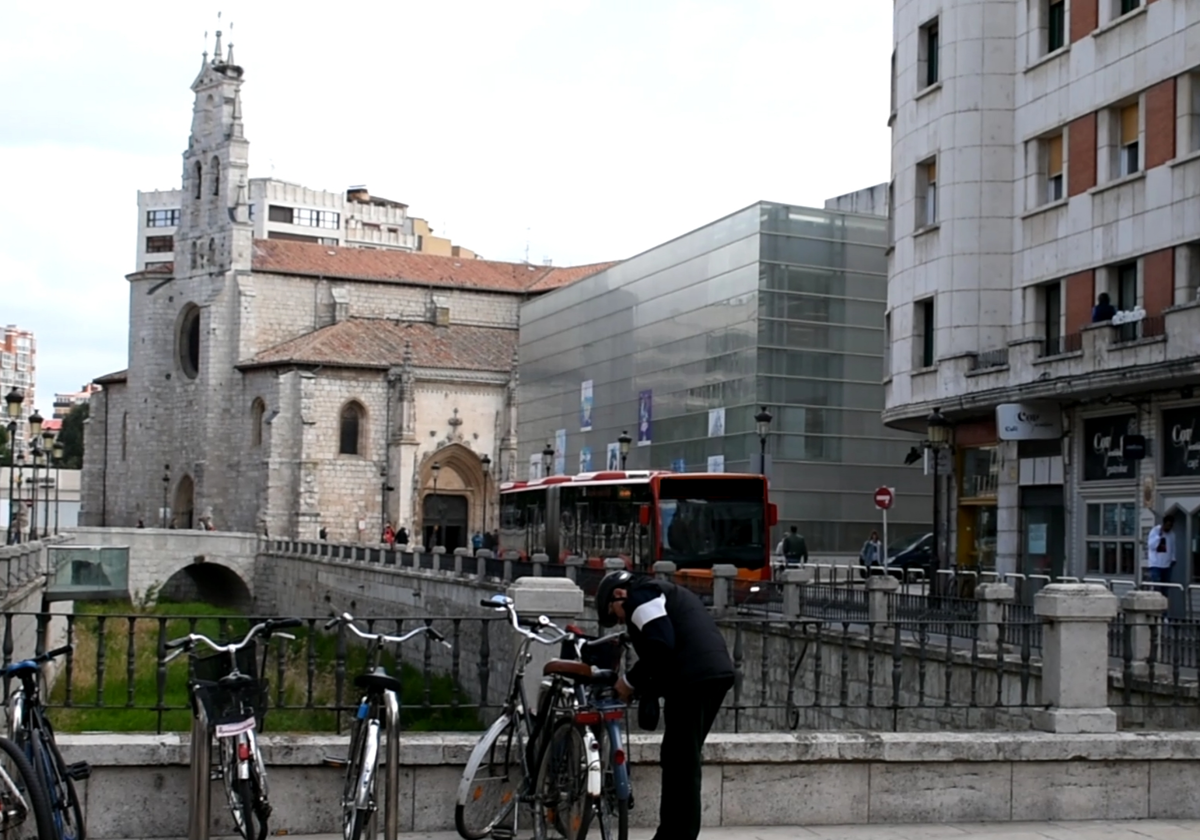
{"x":611,"y":807}
{"x":360,"y":777}
{"x":494,"y":777}
{"x":242,"y":794}
{"x":60,"y":788}
{"x":560,"y":797}
{"x":26,"y":810}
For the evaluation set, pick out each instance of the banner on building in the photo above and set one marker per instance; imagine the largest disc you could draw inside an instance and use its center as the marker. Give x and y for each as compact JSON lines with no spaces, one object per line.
{"x":716,"y":422}
{"x":535,"y":466}
{"x":645,"y":417}
{"x":614,"y":457}
{"x":716,"y":463}
{"x":679,"y":465}
{"x":560,"y":452}
{"x":1181,"y":442}
{"x":585,"y":406}
{"x":1028,"y":421}
{"x":585,"y":459}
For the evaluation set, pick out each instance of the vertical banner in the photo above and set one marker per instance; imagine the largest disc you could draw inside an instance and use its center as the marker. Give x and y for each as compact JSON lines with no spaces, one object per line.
{"x":679,"y":465}
{"x":614,"y":456}
{"x":716,"y":463}
{"x":585,"y":406}
{"x":560,"y":452}
{"x":645,"y":417}
{"x":535,"y":466}
{"x":585,"y":459}
{"x":716,"y":423}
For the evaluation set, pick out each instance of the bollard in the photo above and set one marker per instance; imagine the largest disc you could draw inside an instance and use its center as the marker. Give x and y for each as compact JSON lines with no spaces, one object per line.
{"x":417,"y":551}
{"x":723,"y":575}
{"x":481,"y":558}
{"x":880,"y":589}
{"x":539,"y":564}
{"x":665,"y":570}
{"x":558,"y":599}
{"x":1075,"y":658}
{"x":574,"y":563}
{"x":992,"y":598}
{"x":459,"y":554}
{"x":1143,"y":610}
{"x":793,"y":580}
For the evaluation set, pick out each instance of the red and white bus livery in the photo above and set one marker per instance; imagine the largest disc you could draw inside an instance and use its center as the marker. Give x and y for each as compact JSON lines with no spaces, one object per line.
{"x":695,"y":520}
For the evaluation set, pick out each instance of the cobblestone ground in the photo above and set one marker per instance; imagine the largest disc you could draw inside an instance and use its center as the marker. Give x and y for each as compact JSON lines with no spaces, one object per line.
{"x":1092,"y":830}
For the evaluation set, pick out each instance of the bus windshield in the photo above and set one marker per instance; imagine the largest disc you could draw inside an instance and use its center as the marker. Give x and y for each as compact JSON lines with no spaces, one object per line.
{"x":705,"y":522}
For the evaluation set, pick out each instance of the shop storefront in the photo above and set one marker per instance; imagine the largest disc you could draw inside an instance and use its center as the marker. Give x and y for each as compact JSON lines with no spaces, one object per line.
{"x":977,"y":470}
{"x":1179,"y":487}
{"x":1109,"y":492}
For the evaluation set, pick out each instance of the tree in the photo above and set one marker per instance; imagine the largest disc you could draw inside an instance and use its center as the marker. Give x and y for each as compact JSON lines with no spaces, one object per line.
{"x":4,"y":445}
{"x":71,"y":437}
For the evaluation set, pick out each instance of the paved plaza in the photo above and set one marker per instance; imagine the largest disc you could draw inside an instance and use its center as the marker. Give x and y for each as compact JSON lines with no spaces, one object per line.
{"x":1090,"y":830}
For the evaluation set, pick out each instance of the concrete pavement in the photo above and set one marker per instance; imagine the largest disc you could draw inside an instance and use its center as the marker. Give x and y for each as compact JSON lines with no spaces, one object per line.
{"x":1090,"y":830}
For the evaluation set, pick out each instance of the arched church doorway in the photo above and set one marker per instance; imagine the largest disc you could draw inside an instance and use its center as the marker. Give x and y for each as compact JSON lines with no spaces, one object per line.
{"x":185,"y":503}
{"x":445,"y":519}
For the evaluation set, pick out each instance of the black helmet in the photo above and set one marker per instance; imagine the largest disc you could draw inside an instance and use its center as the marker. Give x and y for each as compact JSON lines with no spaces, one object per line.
{"x":604,"y":595}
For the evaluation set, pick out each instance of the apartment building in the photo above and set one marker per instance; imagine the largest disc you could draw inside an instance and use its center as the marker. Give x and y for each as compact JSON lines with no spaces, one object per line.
{"x":18,"y":369}
{"x":1046,"y":153}
{"x":63,"y":403}
{"x":282,"y":210}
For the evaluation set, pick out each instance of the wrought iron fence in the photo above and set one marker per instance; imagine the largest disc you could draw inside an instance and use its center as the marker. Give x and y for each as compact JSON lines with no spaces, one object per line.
{"x":990,"y":359}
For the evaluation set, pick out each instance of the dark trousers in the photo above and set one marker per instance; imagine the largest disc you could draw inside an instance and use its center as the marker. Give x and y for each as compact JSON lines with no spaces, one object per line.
{"x":688,"y":715}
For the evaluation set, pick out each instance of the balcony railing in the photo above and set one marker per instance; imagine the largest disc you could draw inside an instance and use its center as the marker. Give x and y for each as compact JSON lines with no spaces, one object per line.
{"x":1152,"y":326}
{"x":1061,"y":345}
{"x":990,"y":359}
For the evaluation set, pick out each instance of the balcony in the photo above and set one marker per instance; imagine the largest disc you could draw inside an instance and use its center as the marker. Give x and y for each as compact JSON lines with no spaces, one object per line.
{"x":1146,"y":329}
{"x":990,"y":360}
{"x":1061,"y":345}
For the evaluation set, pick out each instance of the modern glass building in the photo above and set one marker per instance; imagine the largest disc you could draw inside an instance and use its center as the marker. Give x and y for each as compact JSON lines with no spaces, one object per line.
{"x":680,"y":346}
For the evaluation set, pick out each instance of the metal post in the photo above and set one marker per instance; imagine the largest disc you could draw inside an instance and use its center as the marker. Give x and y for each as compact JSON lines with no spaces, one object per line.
{"x":201,"y":779}
{"x":46,"y":502}
{"x":937,"y":520}
{"x":12,"y":468}
{"x":57,"y":477}
{"x":33,"y":531}
{"x":391,"y":813}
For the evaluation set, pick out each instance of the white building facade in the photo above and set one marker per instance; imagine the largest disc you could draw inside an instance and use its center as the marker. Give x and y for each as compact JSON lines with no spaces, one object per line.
{"x":1046,"y":152}
{"x":291,"y":375}
{"x":18,"y":369}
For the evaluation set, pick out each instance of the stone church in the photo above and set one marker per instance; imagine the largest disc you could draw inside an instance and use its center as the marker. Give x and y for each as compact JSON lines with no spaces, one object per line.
{"x":280,"y":386}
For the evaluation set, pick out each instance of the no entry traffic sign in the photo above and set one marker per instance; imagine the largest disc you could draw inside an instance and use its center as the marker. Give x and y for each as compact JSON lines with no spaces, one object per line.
{"x":884,"y":497}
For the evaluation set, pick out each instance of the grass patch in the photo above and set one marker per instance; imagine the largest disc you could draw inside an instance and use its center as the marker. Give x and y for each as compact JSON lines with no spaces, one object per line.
{"x":130,"y":646}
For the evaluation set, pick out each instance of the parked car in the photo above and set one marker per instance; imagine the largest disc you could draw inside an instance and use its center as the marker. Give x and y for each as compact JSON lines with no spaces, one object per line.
{"x":911,"y":554}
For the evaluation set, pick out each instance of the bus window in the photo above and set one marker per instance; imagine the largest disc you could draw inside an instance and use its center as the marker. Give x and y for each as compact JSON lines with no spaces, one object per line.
{"x":708,"y":521}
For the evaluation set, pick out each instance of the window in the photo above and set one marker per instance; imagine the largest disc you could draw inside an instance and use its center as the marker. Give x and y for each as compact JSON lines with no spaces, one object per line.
{"x":1056,"y":25}
{"x":1054,"y":168}
{"x":275,"y":213}
{"x":1111,"y":541}
{"x":198,"y":186}
{"x":188,"y":341}
{"x":1124,"y":7}
{"x":162,"y":218}
{"x":928,"y":64}
{"x":927,"y":209}
{"x":924,"y":327}
{"x":1052,"y":315}
{"x":1127,"y":298}
{"x":124,"y":435}
{"x":216,"y":176}
{"x":316,"y":218}
{"x":887,"y":346}
{"x":257,"y":409}
{"x":160,"y":244}
{"x":1128,"y":147}
{"x":1190,"y":105}
{"x":350,"y":432}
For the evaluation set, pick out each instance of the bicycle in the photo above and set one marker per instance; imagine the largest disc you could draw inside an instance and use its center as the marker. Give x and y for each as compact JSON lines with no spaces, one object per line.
{"x":230,"y":689}
{"x":30,"y":729}
{"x":378,"y":711}
{"x":512,"y":751}
{"x":21,"y":797}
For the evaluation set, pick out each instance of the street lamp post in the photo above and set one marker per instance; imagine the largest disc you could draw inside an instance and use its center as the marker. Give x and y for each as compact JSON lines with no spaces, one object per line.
{"x":485,"y":464}
{"x":762,"y":423}
{"x":384,"y":488}
{"x":623,"y":442}
{"x":12,"y":406}
{"x":58,"y":457}
{"x":35,"y":441}
{"x":437,"y":506}
{"x":166,"y":482}
{"x":547,"y":459}
{"x":937,"y":439}
{"x":48,"y":450}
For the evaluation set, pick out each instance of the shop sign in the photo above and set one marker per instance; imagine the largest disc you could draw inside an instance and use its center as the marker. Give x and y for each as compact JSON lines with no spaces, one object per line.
{"x":1028,"y":421}
{"x":1181,"y":441}
{"x":1104,"y":447}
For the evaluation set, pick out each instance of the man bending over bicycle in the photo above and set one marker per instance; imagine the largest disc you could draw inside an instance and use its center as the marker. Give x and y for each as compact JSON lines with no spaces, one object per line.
{"x":682,"y":658}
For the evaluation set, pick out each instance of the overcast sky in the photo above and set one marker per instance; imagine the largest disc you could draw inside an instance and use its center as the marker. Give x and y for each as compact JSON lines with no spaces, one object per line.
{"x":591,"y":129}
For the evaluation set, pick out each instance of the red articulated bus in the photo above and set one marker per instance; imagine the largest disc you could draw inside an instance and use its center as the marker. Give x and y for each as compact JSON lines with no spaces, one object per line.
{"x":695,"y":520}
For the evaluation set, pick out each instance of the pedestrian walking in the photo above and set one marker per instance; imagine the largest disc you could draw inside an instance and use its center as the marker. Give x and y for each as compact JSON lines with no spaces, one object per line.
{"x":871,"y":554}
{"x":682,"y":659}
{"x":793,"y":547}
{"x":1160,"y":550}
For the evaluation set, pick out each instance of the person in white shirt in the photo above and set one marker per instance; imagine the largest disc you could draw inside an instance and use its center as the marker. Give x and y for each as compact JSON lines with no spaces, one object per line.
{"x":1160,"y":549}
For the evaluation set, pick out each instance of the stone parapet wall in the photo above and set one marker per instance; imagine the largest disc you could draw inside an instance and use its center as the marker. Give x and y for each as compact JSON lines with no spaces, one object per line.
{"x":139,"y":782}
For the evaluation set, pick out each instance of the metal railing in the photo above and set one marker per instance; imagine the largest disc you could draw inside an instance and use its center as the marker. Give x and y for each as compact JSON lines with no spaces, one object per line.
{"x":990,"y":359}
{"x":1061,"y":345}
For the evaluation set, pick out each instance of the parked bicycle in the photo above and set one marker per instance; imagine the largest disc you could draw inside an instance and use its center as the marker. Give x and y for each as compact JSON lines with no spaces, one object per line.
{"x":230,"y":689}
{"x":378,"y":711}
{"x":511,"y":756}
{"x":24,"y":809}
{"x":29,"y":729}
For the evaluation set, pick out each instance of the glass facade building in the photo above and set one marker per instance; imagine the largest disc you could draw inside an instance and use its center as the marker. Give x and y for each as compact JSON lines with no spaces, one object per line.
{"x":680,"y":346}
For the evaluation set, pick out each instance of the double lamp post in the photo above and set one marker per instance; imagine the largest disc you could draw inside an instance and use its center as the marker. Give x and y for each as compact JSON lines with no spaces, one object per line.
{"x":46,"y":450}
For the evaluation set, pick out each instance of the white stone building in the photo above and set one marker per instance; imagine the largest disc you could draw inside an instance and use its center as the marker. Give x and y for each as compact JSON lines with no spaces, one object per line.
{"x":18,"y":369}
{"x":1046,"y":152}
{"x":283,"y":385}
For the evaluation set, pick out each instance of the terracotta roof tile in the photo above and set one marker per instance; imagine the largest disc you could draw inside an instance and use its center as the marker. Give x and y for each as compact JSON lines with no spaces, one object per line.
{"x":303,"y":258}
{"x":379,"y":344}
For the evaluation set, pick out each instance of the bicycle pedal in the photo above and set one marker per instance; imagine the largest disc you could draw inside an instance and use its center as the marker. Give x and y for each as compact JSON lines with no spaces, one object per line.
{"x":80,"y":771}
{"x":339,"y":763}
{"x":503,"y":833}
{"x":631,"y":802}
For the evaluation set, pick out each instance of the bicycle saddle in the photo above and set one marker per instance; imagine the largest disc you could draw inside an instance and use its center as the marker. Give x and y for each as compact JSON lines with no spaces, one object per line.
{"x":378,"y":679}
{"x":580,"y":672}
{"x":235,"y":680}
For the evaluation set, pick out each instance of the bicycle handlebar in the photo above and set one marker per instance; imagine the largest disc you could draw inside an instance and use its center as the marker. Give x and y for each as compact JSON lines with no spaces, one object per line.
{"x":348,"y":620}
{"x":543,"y":623}
{"x":267,"y":628}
